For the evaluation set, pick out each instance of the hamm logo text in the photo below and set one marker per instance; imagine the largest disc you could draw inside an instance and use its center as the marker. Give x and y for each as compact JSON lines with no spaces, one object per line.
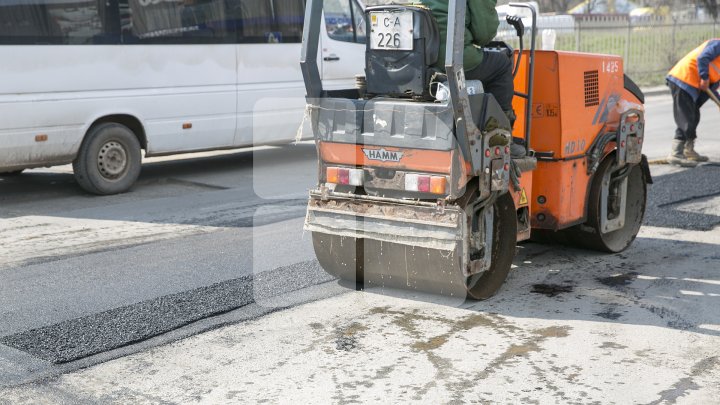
{"x":383,"y":155}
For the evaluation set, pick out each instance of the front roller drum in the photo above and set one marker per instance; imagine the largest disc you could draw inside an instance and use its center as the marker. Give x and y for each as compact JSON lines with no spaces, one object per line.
{"x":370,"y":262}
{"x":613,"y":222}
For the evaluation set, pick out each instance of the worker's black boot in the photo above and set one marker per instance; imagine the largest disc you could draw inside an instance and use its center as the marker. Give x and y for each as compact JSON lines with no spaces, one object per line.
{"x":690,"y":153}
{"x":677,"y":155}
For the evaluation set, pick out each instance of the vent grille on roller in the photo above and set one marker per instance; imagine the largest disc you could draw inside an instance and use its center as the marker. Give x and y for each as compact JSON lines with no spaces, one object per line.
{"x":592,"y":88}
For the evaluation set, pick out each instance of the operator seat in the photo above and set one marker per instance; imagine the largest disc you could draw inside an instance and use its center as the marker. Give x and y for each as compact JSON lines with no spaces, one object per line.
{"x":398,"y":71}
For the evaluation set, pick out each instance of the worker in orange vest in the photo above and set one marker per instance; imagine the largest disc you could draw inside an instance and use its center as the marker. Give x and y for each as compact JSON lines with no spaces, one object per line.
{"x":689,"y":81}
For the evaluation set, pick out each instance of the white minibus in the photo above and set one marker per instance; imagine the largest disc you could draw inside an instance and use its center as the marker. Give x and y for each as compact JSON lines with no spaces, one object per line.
{"x":96,"y":82}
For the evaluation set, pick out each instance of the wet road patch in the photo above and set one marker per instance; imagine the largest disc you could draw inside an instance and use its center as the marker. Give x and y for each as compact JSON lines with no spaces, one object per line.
{"x":551,"y":290}
{"x":609,"y":314}
{"x":612,"y":345}
{"x":618,"y":280}
{"x":346,"y":339}
{"x":683,"y":386}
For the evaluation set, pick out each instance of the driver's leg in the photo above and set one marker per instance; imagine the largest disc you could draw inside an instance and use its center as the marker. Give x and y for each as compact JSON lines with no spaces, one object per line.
{"x":495,"y":73}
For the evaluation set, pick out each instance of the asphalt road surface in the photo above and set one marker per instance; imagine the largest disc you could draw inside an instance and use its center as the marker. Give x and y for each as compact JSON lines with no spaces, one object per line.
{"x":200,"y":286}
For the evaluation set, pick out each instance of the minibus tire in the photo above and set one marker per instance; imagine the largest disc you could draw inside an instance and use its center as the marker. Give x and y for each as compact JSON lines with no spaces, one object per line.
{"x":109,"y":159}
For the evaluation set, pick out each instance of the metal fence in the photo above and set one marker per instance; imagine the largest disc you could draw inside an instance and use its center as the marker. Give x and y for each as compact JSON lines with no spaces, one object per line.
{"x":649,"y":47}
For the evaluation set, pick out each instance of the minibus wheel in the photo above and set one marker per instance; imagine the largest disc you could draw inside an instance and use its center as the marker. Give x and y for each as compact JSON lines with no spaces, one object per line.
{"x":109,"y":159}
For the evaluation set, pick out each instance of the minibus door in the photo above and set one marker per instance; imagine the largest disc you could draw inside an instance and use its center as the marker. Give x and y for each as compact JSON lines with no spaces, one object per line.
{"x":343,"y":43}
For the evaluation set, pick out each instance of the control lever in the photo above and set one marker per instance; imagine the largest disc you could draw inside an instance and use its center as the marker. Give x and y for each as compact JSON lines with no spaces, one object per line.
{"x":516,"y":22}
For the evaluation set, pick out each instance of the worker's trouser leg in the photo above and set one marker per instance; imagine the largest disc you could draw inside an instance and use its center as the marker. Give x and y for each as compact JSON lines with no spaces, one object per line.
{"x":686,"y":112}
{"x":495,"y":73}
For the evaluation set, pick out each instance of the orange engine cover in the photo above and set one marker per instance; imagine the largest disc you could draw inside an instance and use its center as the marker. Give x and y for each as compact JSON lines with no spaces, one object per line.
{"x":576,"y":97}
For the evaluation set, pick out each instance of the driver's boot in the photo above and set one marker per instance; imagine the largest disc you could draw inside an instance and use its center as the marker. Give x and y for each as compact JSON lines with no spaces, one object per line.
{"x":517,"y":146}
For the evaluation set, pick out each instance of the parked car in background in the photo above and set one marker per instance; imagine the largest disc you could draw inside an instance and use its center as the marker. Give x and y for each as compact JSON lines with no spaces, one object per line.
{"x":562,"y":24}
{"x":603,"y":7}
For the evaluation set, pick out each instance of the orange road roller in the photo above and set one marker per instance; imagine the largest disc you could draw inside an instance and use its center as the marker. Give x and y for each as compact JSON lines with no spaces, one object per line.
{"x":417,"y":185}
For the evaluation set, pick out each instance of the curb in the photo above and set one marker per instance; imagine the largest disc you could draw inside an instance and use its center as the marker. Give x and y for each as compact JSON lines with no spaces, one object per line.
{"x":655,"y":91}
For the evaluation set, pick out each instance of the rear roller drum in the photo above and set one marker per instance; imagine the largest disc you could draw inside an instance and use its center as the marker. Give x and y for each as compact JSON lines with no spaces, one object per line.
{"x":368,"y":262}
{"x":340,"y":256}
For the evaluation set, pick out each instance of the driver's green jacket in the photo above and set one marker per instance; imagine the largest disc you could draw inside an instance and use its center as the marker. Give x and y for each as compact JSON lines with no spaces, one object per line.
{"x":481,"y":23}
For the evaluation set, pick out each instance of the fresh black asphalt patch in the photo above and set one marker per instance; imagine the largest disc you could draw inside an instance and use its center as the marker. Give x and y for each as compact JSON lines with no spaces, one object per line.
{"x":671,"y":190}
{"x":81,"y":337}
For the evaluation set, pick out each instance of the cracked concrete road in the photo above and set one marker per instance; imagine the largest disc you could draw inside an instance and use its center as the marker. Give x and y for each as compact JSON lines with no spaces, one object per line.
{"x":638,"y":327}
{"x":569,"y":326}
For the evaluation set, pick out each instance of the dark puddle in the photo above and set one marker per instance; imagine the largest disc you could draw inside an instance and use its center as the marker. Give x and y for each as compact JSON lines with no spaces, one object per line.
{"x":618,"y":280}
{"x":609,"y":315}
{"x":551,"y":290}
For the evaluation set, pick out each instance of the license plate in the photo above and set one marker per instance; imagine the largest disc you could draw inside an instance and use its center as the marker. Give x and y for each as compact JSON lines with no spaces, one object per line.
{"x":391,"y":30}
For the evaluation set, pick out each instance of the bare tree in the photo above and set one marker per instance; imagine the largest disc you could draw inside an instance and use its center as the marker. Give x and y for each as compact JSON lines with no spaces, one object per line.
{"x":711,"y":7}
{"x":546,"y":6}
{"x":590,"y":6}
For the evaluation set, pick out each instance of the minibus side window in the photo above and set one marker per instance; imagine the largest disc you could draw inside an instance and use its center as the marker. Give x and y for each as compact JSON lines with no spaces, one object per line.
{"x":344,"y":21}
{"x":185,"y":22}
{"x":50,"y":22}
{"x":359,"y":22}
{"x":289,"y":16}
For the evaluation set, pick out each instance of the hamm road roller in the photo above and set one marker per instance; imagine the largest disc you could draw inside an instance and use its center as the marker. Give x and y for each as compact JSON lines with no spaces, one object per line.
{"x":417,"y":186}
